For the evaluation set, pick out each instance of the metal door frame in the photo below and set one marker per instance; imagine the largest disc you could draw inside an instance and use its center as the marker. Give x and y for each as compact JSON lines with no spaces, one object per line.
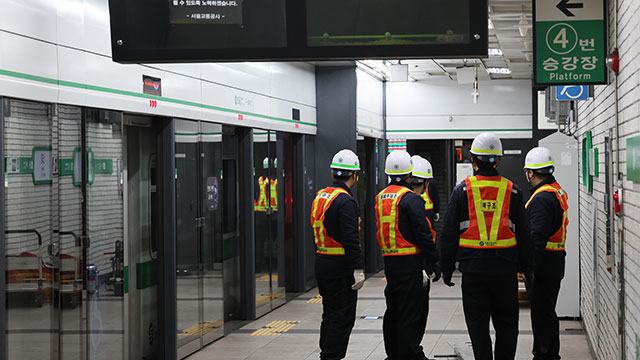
{"x":4,"y":353}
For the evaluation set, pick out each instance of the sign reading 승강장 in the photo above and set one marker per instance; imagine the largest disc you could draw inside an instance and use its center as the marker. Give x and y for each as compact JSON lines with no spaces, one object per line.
{"x":570,"y":42}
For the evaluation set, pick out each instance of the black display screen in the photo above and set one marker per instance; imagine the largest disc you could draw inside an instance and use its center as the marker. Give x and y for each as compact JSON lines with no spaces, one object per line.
{"x":387,"y":23}
{"x":285,"y":30}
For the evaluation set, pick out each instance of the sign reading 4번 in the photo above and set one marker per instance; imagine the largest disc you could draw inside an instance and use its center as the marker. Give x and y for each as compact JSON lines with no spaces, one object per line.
{"x":570,"y":42}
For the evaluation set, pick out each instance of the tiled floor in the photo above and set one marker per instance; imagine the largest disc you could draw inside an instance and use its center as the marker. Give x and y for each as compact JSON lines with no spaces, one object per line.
{"x":446,"y":325}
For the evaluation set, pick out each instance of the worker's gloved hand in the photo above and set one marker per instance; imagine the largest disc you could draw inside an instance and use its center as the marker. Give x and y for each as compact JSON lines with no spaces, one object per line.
{"x":425,"y":278}
{"x":437,"y":217}
{"x":435,"y":273}
{"x":447,"y":279}
{"x":358,"y":277}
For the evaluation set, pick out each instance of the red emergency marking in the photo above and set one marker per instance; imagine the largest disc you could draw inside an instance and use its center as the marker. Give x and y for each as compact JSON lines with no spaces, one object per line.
{"x":153,"y":103}
{"x":297,"y":126}
{"x":240,"y":117}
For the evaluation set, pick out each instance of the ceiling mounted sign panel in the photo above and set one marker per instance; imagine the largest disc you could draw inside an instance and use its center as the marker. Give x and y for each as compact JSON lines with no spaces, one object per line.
{"x":570,"y":42}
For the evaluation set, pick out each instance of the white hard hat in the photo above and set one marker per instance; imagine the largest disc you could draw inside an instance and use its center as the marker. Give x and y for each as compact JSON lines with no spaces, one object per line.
{"x":265,"y":163}
{"x":345,"y":160}
{"x":398,"y":163}
{"x":538,"y":158}
{"x":421,"y":167}
{"x":487,"y":144}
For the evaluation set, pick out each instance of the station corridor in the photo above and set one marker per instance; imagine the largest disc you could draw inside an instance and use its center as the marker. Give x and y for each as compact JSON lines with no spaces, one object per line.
{"x":445,"y":328}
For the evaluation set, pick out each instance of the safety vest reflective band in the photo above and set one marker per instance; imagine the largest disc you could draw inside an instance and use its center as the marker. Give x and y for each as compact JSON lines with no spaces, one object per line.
{"x":266,"y":185}
{"x":489,"y":199}
{"x":274,"y":194}
{"x":261,"y":204}
{"x":433,"y":232}
{"x":428,"y":204}
{"x":389,"y":237}
{"x":556,"y":241}
{"x":324,"y":243}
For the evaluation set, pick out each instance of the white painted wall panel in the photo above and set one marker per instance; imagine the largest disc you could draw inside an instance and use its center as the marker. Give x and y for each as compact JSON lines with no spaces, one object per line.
{"x":18,"y":69}
{"x":247,"y":76}
{"x":69,"y":63}
{"x":96,"y":27}
{"x":70,"y":23}
{"x":293,"y":81}
{"x":35,"y":18}
{"x":76,"y":72}
{"x":422,"y":110}
{"x":369,"y":98}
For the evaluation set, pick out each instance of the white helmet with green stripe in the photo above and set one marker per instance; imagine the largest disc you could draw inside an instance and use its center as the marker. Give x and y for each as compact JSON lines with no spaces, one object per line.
{"x":398,"y":163}
{"x":421,"y":167}
{"x":345,"y":160}
{"x":538,"y":158}
{"x":486,"y":144}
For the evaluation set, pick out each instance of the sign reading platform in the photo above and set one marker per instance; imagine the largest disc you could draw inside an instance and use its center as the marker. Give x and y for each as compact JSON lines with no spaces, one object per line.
{"x":570,"y":42}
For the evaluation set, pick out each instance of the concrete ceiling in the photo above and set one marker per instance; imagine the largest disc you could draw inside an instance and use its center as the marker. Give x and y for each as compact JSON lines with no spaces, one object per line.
{"x":508,"y":19}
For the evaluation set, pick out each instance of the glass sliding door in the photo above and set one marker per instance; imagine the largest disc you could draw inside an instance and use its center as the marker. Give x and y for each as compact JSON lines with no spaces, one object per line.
{"x":269,"y":212}
{"x":212,"y":232}
{"x":33,"y":319}
{"x":199,"y":252}
{"x":105,"y":230}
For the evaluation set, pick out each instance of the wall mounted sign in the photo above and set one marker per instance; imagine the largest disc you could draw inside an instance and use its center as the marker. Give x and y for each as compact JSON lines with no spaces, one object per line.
{"x":570,"y":42}
{"x":151,"y":85}
{"x":42,"y":166}
{"x":572,"y":92}
{"x":633,"y":159}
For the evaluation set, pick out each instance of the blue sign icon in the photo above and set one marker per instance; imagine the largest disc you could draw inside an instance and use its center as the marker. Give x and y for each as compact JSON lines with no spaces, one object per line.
{"x":574,"y":92}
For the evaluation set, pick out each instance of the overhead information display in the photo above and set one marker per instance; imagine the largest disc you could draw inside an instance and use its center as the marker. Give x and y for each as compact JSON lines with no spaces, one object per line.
{"x":383,"y":22}
{"x":206,"y":12}
{"x":570,"y":42}
{"x":156,"y":31}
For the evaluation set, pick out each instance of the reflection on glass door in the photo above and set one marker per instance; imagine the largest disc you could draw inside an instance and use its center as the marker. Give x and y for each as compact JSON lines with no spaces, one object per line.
{"x":199,"y":252}
{"x":30,"y":220}
{"x":269,"y":222}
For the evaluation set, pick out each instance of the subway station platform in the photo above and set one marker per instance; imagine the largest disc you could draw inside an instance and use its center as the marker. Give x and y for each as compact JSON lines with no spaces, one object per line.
{"x":292,"y":331}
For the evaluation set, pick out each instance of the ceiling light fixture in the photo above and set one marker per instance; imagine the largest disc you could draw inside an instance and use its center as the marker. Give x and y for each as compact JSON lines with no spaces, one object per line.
{"x":495,"y":52}
{"x":523,"y":26}
{"x":504,"y":71}
{"x":490,"y":24}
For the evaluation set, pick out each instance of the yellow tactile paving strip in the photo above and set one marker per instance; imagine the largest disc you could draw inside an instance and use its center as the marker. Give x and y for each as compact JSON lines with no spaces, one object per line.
{"x":266,"y":298}
{"x":201,"y":329}
{"x":275,"y":328}
{"x":315,"y":300}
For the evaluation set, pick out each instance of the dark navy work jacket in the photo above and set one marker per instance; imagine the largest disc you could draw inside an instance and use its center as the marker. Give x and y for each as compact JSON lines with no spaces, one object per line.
{"x":341,"y":221}
{"x":412,"y":222}
{"x":545,"y":219}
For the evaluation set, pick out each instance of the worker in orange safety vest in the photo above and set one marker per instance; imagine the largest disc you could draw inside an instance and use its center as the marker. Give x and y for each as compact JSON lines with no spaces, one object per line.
{"x":339,"y":259}
{"x":487,"y":232}
{"x":410,"y":260}
{"x":422,"y":175}
{"x":547,"y":210}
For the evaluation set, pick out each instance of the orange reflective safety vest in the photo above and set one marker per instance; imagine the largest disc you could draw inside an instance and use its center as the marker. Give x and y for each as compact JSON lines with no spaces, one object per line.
{"x":389,"y":237}
{"x":263,"y":202}
{"x":324,"y":243}
{"x":489,"y":199}
{"x":556,"y":241}
{"x":428,"y":204}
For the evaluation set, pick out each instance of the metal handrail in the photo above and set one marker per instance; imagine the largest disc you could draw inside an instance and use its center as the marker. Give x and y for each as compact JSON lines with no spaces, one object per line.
{"x":28,"y":231}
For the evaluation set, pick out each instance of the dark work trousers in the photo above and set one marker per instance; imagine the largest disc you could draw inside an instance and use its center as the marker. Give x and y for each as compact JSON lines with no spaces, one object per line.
{"x":543,"y":297}
{"x":338,"y":315}
{"x":491,"y":296}
{"x":406,"y":316}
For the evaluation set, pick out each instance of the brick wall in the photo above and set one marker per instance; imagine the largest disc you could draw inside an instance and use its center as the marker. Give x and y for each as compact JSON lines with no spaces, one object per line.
{"x":599,"y":287}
